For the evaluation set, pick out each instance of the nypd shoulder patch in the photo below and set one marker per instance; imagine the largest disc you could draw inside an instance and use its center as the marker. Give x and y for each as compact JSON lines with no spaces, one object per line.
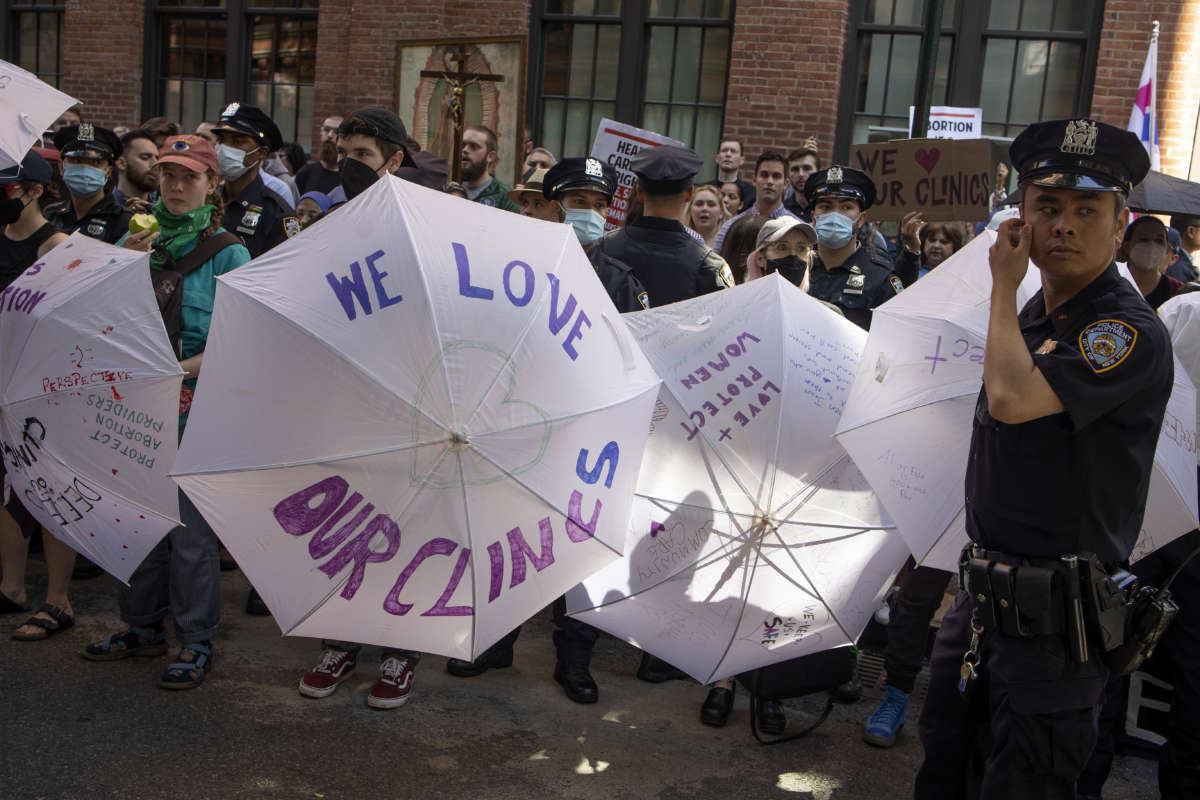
{"x":1106,"y":343}
{"x":644,"y":299}
{"x":726,"y":276}
{"x":291,"y":226}
{"x":896,"y":283}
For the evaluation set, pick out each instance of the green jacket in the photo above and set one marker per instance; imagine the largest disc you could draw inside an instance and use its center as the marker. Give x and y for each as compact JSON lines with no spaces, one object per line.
{"x":496,"y":194}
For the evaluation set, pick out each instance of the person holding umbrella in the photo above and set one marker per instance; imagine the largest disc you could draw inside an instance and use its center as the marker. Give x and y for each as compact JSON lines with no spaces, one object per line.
{"x":181,"y":575}
{"x":1075,"y":387}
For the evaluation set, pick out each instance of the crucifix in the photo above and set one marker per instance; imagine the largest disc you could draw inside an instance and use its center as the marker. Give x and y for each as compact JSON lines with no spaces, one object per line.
{"x":458,"y":79}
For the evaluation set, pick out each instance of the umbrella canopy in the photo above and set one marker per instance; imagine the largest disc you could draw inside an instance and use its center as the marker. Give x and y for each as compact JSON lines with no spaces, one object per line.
{"x":1165,"y":194}
{"x":907,"y":423}
{"x":89,"y":401}
{"x":754,"y":538}
{"x":28,"y":106}
{"x":420,"y":421}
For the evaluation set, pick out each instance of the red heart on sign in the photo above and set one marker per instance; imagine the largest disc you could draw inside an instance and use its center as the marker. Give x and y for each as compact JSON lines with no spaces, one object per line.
{"x":928,"y":158}
{"x":114,"y":472}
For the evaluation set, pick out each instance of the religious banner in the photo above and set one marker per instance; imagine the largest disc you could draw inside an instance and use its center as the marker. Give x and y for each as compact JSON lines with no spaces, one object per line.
{"x":946,"y":179}
{"x":617,"y":143}
{"x":445,"y":86}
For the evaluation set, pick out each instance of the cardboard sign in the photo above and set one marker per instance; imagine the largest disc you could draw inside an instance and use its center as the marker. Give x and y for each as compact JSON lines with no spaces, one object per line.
{"x":946,"y":179}
{"x":617,"y":143}
{"x":951,"y":122}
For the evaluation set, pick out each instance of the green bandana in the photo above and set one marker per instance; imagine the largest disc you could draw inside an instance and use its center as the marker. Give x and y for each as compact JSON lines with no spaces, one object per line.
{"x":176,"y":231}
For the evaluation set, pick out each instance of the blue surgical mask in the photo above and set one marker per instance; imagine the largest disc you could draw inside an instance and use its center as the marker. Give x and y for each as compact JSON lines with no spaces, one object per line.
{"x":231,"y":161}
{"x":83,"y":180}
{"x":588,"y":224}
{"x":834,"y":230}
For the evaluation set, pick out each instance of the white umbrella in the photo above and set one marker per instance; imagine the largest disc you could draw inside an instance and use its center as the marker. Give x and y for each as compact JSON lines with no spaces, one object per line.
{"x":754,"y":538}
{"x":90,"y":401}
{"x":28,"y":106}
{"x":418,"y":422}
{"x":907,"y":423}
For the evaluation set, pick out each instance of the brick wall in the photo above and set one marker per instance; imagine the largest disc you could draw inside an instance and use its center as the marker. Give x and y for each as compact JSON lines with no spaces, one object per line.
{"x":784,"y":74}
{"x":356,"y":47}
{"x":102,"y":59}
{"x":1124,"y":40}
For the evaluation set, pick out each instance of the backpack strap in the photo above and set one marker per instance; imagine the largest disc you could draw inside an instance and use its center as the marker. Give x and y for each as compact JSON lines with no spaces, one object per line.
{"x":204,"y":251}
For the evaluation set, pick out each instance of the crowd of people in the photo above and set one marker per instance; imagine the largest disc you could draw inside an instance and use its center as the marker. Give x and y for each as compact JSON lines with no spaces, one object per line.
{"x":233,"y":189}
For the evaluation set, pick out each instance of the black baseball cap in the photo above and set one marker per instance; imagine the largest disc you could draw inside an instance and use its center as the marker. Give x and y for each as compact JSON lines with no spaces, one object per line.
{"x":1079,"y":154}
{"x":86,"y":140}
{"x":841,"y":182}
{"x":250,"y":121}
{"x":667,"y":169}
{"x":382,"y":124}
{"x":32,"y":168}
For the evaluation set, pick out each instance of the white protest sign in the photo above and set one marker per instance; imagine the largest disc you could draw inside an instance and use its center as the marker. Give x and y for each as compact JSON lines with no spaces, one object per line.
{"x":950,"y":122}
{"x":616,"y":144}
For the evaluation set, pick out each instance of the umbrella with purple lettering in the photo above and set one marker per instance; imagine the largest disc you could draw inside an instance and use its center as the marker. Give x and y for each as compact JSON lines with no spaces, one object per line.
{"x":907,"y":423}
{"x":89,"y":401}
{"x":418,"y":422}
{"x":754,"y":539}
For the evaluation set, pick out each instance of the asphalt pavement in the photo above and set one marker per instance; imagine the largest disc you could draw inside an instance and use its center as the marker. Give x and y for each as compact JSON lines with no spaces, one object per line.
{"x":72,"y":728}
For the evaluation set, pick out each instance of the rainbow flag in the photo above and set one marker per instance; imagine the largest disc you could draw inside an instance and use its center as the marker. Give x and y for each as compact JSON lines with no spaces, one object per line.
{"x":1142,"y":118}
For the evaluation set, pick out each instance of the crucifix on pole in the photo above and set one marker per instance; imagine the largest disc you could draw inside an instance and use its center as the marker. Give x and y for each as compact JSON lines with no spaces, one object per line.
{"x":458,"y":79}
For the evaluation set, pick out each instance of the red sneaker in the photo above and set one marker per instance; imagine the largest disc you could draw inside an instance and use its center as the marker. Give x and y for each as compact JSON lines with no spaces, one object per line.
{"x":335,"y":667}
{"x":394,"y":684}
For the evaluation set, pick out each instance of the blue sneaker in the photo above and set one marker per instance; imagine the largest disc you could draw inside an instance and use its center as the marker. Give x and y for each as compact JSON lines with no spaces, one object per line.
{"x":888,"y":719}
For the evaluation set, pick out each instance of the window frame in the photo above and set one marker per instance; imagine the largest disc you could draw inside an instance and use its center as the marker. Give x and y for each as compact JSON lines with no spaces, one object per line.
{"x":10,"y":32}
{"x":634,"y":20}
{"x":970,"y":33}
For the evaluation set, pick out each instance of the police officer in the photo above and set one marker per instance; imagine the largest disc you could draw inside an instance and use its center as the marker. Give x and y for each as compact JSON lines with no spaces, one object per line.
{"x":88,"y":154}
{"x":245,"y":137}
{"x":1074,"y":391}
{"x":583,"y":188}
{"x":852,"y":277}
{"x":669,"y":262}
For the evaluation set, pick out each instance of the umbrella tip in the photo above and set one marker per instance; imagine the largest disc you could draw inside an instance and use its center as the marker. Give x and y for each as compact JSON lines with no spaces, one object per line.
{"x":459,"y":441}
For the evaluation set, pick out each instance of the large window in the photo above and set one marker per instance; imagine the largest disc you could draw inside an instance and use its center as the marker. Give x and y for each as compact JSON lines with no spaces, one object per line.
{"x":1021,"y":61}
{"x":36,"y":34}
{"x":660,"y":64}
{"x":211,"y":52}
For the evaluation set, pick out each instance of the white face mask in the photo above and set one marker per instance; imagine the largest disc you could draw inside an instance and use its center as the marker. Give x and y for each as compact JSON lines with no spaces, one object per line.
{"x":231,"y":162}
{"x":1146,"y":255}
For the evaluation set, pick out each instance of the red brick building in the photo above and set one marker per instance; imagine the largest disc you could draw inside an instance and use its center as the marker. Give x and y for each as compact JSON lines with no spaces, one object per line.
{"x":769,"y":71}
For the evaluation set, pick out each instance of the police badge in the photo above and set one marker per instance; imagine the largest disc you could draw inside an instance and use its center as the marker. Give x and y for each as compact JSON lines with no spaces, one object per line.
{"x":86,"y":132}
{"x":855,"y":284}
{"x":1080,"y":138}
{"x":1106,"y":343}
{"x":834,"y":175}
{"x":230,"y":110}
{"x":592,"y":168}
{"x":96,"y":229}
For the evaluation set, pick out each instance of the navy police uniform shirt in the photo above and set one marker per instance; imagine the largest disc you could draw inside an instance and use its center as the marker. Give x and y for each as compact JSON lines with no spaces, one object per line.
{"x":260,"y":217}
{"x":1076,"y":481}
{"x":856,"y":286}
{"x":107,"y":221}
{"x":666,"y":260}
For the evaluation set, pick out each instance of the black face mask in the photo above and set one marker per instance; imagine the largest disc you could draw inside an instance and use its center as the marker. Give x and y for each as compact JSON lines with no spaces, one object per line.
{"x":790,"y":267}
{"x":357,"y":177}
{"x":11,"y":209}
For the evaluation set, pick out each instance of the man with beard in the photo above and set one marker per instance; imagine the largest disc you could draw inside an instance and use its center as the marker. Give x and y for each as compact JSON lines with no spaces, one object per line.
{"x":770,"y":178}
{"x":135,"y":167}
{"x":321,"y":174}
{"x":480,"y":154}
{"x":802,"y":162}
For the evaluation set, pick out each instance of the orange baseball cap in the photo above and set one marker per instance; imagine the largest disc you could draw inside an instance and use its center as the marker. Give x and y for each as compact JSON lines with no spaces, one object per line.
{"x":191,"y":151}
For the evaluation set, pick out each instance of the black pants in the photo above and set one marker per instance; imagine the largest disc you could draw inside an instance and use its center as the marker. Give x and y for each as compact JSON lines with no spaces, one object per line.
{"x":1028,"y":728}
{"x":1179,"y":767}
{"x":915,"y":606}
{"x":574,"y":640}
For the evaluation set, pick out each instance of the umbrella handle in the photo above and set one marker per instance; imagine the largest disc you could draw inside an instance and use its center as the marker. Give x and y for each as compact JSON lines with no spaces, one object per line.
{"x":27,"y":122}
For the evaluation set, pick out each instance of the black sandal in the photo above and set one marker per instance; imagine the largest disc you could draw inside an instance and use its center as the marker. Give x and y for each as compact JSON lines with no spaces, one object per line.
{"x":59,"y":621}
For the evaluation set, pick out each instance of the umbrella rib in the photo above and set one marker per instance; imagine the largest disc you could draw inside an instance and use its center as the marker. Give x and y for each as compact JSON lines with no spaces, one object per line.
{"x":744,"y":596}
{"x":98,"y":387}
{"x":905,"y":410}
{"x":308,"y":461}
{"x":782,"y":393}
{"x":565,"y":417}
{"x":815,"y":591}
{"x":462,"y":478}
{"x":680,"y":504}
{"x":358,"y":368}
{"x":533,"y":317}
{"x":338,"y":586}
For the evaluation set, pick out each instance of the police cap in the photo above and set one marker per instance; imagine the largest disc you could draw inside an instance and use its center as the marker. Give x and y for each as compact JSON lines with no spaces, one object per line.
{"x":667,"y":169}
{"x":590,"y":174}
{"x":86,"y":140}
{"x":840,"y":182}
{"x":1079,"y":154}
{"x":250,"y":121}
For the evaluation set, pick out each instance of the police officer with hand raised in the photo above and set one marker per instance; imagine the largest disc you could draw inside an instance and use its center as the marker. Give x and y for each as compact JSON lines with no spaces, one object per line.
{"x":1075,"y":386}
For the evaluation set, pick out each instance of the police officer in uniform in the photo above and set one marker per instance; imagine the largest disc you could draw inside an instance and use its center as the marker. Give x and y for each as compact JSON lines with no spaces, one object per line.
{"x":1074,"y":391}
{"x":851,"y":277}
{"x":583,"y":188}
{"x":88,"y":154}
{"x":245,"y":137}
{"x":666,"y":260}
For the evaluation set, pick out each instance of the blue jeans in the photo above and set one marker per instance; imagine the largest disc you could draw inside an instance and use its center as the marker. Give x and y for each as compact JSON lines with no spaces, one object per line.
{"x":180,"y":576}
